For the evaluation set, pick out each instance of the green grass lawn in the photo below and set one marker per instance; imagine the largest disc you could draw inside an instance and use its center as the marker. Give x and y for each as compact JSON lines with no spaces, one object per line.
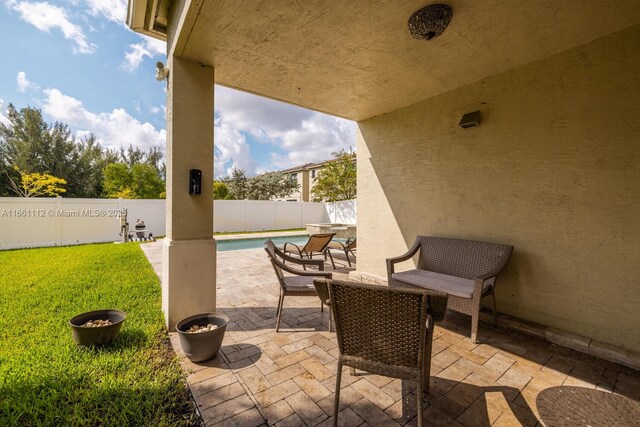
{"x":45,"y":379}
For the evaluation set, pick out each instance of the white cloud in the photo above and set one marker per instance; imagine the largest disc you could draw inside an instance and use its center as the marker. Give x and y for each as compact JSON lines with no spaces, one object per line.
{"x":157,"y":47}
{"x":148,"y":47}
{"x":113,"y":10}
{"x":23,"y":83}
{"x":256,"y":114}
{"x":304,"y":135}
{"x":112,"y":129}
{"x":46,"y":17}
{"x":3,"y":118}
{"x":315,"y":139}
{"x":116,"y":11}
{"x":231,"y":150}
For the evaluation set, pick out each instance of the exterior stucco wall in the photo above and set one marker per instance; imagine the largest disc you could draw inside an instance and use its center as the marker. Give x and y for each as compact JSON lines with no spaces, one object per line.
{"x":177,"y":15}
{"x":554,"y":169}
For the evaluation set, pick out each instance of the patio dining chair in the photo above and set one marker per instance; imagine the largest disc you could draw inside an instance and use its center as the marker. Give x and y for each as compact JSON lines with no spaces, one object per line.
{"x":300,"y":282}
{"x":348,"y":247}
{"x":317,"y":244}
{"x":384,"y":331}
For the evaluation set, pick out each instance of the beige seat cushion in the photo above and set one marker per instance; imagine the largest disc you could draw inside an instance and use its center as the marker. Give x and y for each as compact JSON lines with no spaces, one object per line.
{"x":300,"y":283}
{"x":452,"y":285}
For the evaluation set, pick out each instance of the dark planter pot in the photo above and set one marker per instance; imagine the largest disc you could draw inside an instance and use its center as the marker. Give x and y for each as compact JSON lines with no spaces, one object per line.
{"x":202,"y":346}
{"x":98,"y":335}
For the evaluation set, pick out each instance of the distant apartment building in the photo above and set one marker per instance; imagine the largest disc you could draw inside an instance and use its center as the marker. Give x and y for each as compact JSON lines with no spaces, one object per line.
{"x":305,"y":176}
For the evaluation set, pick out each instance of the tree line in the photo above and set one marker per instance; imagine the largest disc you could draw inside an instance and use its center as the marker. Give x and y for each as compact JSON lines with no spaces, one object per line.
{"x":266,"y":186}
{"x":36,"y":156}
{"x":334,"y":182}
{"x":42,"y":159}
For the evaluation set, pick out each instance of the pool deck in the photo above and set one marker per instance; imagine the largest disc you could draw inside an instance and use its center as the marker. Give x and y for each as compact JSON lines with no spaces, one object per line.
{"x":153,"y":249}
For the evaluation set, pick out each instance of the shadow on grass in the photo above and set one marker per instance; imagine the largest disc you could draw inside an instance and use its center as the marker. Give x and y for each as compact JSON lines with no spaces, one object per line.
{"x":131,"y":338}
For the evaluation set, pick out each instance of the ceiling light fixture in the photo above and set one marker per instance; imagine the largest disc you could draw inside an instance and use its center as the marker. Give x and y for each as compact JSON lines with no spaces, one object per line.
{"x":430,"y":21}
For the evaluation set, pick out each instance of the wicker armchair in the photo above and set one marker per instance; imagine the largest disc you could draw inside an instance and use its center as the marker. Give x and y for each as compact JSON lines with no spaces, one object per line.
{"x":384,"y":331}
{"x":317,"y":244}
{"x":464,"y":269}
{"x":301,"y":283}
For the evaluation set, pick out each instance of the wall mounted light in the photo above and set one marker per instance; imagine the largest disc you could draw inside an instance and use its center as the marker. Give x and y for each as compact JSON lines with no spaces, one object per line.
{"x":430,"y":21}
{"x":162,"y":72}
{"x":470,"y":120}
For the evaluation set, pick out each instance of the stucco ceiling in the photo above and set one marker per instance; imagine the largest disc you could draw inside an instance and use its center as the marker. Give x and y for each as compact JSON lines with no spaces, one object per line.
{"x":356,"y":59}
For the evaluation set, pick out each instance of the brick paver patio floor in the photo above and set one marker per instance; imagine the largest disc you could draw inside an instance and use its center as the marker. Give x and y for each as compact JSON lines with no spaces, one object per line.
{"x":261,"y":377}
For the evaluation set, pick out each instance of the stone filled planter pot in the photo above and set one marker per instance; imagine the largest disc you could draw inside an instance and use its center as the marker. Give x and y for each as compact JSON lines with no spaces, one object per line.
{"x":202,"y":346}
{"x":99,"y":335}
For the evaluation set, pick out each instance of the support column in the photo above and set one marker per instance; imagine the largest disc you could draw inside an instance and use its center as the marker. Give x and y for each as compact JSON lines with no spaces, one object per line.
{"x":189,"y":251}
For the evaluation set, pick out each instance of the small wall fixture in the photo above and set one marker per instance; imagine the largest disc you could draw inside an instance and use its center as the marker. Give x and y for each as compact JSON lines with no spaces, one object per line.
{"x":470,"y":120}
{"x":162,"y":72}
{"x":195,"y":181}
{"x":430,"y":21}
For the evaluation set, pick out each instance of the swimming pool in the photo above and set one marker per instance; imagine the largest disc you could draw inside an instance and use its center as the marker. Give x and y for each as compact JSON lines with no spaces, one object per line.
{"x":256,"y":243}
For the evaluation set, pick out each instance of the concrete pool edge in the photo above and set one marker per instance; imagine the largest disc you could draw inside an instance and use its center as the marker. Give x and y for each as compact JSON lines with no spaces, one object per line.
{"x":258,"y":242}
{"x":341,"y":230}
{"x":259,"y":235}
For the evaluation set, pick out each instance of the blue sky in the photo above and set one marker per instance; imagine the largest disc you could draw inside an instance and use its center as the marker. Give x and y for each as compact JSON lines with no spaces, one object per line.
{"x":78,"y":62}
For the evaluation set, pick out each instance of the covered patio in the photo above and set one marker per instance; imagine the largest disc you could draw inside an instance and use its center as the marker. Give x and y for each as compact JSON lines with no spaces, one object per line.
{"x":287,"y":379}
{"x":552,"y":169}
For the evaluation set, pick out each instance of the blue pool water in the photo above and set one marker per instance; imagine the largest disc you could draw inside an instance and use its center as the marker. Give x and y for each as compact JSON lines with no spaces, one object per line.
{"x":238,"y":244}
{"x":257,"y":243}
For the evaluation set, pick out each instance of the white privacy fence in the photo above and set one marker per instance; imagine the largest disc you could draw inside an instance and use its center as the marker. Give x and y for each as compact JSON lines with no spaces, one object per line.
{"x":31,"y":222}
{"x":343,"y":212}
{"x":256,"y":215}
{"x":28,"y":222}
